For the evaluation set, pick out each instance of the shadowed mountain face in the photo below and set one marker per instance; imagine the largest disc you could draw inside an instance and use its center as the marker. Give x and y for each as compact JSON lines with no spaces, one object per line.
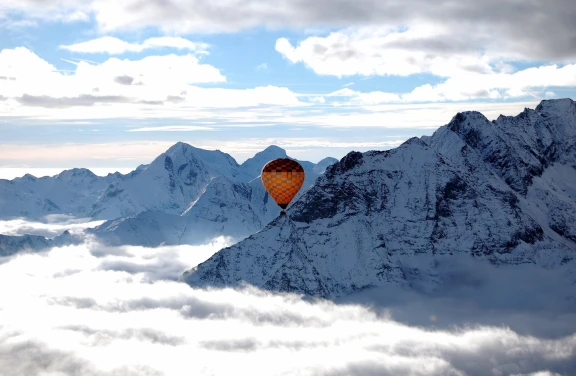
{"x":502,"y":191}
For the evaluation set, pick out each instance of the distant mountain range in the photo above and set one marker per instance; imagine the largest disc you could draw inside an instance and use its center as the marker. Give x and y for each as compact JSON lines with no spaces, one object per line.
{"x":186,"y":195}
{"x":10,"y":245}
{"x":502,"y":191}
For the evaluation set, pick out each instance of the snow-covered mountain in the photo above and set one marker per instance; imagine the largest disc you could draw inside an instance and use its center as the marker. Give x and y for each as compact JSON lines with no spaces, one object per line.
{"x":253,"y":166}
{"x":235,"y":207}
{"x":70,"y":192}
{"x":502,"y":191}
{"x":10,"y":245}
{"x":185,"y":196}
{"x":173,"y":181}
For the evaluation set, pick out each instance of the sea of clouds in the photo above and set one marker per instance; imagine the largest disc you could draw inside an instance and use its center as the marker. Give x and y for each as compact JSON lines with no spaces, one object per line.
{"x":96,"y":310}
{"x":50,"y":226}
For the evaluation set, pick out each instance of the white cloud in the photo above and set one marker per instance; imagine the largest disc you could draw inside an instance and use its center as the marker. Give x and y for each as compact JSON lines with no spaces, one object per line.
{"x":509,"y":28}
{"x":292,"y":144}
{"x":10,"y":24}
{"x":109,"y":45}
{"x":468,"y":86}
{"x":172,"y":128}
{"x":115,"y":46}
{"x":469,"y":73}
{"x":150,"y":78}
{"x":404,"y":115}
{"x":382,"y":51}
{"x":375,"y":122}
{"x":163,"y":87}
{"x":94,"y":310}
{"x":317,"y":99}
{"x":177,"y":42}
{"x":74,"y":16}
{"x":53,"y":226}
{"x":497,"y":85}
{"x":10,"y":172}
{"x":133,"y":151}
{"x":303,"y":148}
{"x":263,"y":66}
{"x":125,"y":88}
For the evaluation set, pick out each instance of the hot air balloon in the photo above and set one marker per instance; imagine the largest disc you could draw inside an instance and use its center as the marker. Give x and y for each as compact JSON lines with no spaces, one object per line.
{"x":282,"y":179}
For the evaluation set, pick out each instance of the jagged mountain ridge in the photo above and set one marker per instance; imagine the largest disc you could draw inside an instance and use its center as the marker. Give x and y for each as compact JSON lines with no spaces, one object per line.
{"x":10,"y":245}
{"x":71,"y":191}
{"x":185,"y":196}
{"x":169,"y":184}
{"x":225,"y":207}
{"x":503,"y":191}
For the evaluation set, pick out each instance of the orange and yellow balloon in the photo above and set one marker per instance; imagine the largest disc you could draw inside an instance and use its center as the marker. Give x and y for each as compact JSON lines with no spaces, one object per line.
{"x":282,"y":179}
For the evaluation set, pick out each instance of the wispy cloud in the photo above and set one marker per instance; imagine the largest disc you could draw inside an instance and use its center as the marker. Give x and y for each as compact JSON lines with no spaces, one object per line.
{"x":58,"y":153}
{"x":262,"y":67}
{"x":53,"y":226}
{"x":173,"y":128}
{"x":115,"y":46}
{"x":406,"y":120}
{"x":10,"y":172}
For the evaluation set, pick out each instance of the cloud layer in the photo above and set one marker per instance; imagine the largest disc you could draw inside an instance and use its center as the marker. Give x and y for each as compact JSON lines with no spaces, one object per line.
{"x":490,"y":52}
{"x":52,"y":226}
{"x":92,"y":310}
{"x":527,"y":29}
{"x":122,"y":88}
{"x":379,"y":51}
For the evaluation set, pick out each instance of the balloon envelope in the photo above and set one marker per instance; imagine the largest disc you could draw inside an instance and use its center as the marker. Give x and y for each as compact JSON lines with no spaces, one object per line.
{"x":282,"y":178}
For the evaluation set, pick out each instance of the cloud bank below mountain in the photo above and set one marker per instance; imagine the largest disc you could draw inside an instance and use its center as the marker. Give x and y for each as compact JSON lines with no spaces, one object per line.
{"x":95,"y":310}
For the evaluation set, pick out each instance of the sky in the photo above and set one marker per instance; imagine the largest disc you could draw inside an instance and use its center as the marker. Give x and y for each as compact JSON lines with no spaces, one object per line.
{"x":93,"y":310}
{"x":111,"y":84}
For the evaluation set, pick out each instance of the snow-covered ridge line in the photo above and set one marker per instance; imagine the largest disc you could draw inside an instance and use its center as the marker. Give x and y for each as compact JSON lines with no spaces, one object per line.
{"x":10,"y":245}
{"x":502,"y":191}
{"x":186,"y":195}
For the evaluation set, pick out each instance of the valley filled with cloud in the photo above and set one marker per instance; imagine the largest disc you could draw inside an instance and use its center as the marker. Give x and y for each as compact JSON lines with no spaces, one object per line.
{"x":95,"y":310}
{"x":436,"y":211}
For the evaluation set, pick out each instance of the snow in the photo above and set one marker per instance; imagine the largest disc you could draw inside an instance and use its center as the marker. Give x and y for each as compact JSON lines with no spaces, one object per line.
{"x":502,"y":192}
{"x":186,"y":195}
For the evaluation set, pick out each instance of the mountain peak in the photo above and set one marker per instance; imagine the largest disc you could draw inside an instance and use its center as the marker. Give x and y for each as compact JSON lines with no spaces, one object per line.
{"x":558,"y":105}
{"x":181,"y":150}
{"x":275,"y":149}
{"x":271,"y":152}
{"x":501,"y":192}
{"x":323,"y":164}
{"x":181,"y":147}
{"x":76,"y":173}
{"x":253,"y":166}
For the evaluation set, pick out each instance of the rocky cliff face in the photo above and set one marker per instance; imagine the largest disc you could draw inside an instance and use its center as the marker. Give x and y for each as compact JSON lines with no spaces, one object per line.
{"x":502,"y":191}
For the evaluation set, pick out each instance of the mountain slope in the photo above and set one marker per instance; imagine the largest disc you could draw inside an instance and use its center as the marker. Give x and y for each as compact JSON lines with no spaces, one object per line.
{"x":253,"y":166}
{"x":70,"y":192}
{"x":169,"y":184}
{"x":10,"y":245}
{"x":173,"y":183}
{"x":224,"y":207}
{"x":502,"y":191}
